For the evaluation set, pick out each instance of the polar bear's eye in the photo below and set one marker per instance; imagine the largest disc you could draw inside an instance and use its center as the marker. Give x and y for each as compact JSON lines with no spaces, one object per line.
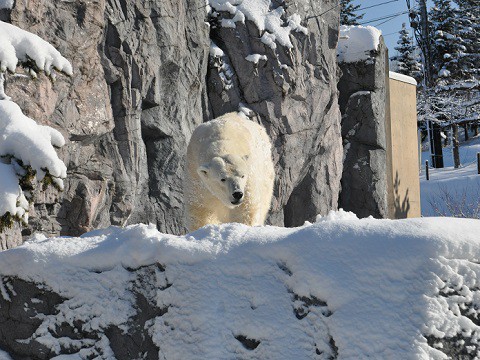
{"x":222,"y":180}
{"x":243,"y":176}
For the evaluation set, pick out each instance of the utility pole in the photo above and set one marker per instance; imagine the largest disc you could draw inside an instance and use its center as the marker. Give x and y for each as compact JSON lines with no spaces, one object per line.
{"x":426,"y":42}
{"x":419,"y":22}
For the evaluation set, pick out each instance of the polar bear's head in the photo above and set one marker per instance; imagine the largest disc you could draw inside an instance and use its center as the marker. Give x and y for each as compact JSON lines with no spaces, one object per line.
{"x":226,"y":177}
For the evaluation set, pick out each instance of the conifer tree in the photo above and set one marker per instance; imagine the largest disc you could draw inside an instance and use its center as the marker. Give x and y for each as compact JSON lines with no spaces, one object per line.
{"x":348,"y":13}
{"x":468,"y":22}
{"x":447,"y":45}
{"x":407,"y":63}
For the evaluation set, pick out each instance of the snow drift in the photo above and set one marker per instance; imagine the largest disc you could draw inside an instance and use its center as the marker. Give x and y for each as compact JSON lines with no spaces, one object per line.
{"x":341,"y":287}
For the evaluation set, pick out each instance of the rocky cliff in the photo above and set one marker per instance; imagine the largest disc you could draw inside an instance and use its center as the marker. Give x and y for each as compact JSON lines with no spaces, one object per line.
{"x":363,"y":103}
{"x":143,"y":79}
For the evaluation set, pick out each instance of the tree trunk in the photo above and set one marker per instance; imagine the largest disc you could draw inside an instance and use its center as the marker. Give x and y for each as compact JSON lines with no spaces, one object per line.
{"x":436,"y":145}
{"x":456,"y":152}
{"x":465,"y":127}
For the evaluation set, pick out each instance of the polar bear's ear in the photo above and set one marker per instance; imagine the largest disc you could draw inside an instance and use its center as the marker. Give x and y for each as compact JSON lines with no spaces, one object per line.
{"x":245,"y":157}
{"x":203,"y":170}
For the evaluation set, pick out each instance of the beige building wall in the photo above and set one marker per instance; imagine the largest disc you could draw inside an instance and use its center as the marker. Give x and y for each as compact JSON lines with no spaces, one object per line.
{"x":403,"y":181}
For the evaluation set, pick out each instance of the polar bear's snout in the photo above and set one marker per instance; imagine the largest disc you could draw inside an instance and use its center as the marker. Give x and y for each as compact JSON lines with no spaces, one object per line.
{"x":238,"y":196}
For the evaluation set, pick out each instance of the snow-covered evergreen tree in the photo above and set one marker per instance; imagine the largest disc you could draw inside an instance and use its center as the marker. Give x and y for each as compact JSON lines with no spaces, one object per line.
{"x":447,"y":44}
{"x":456,"y":59}
{"x":468,"y":23}
{"x":27,"y":149}
{"x":406,"y":59}
{"x":348,"y":13}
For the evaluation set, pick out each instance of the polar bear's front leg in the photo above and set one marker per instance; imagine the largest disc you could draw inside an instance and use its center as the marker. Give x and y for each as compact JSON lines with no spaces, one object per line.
{"x":199,"y":216}
{"x":248,"y":214}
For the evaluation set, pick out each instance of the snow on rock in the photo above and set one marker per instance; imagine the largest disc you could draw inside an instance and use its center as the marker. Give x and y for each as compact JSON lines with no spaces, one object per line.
{"x":219,"y":61}
{"x":255,"y":58}
{"x":357,"y":42}
{"x":10,"y":192}
{"x":215,"y":51}
{"x":269,"y":20}
{"x":25,"y":143}
{"x":4,"y":356}
{"x":6,"y":4}
{"x":20,"y":45}
{"x":33,"y":144}
{"x":342,"y":287}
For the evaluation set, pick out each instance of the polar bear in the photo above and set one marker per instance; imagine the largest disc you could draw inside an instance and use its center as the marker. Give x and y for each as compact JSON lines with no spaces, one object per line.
{"x":229,"y":173}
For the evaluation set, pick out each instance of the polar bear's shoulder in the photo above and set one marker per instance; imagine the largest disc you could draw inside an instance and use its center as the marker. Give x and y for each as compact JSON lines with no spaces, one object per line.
{"x":225,"y":126}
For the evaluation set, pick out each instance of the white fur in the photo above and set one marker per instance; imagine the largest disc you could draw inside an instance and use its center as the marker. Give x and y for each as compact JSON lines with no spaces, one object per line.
{"x":238,"y":151}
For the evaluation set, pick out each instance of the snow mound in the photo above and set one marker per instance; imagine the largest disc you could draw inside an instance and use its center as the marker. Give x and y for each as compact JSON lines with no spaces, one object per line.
{"x":271,"y":21}
{"x":342,"y":287}
{"x":20,"y":45}
{"x":339,"y":215}
{"x":357,"y":42}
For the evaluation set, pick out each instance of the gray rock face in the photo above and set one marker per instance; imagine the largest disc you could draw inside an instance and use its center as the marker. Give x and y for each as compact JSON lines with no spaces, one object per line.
{"x":10,"y":237}
{"x":23,"y":304}
{"x":134,"y":99}
{"x":142,"y":82}
{"x":26,"y":308}
{"x":363,"y":102}
{"x":297,"y":104}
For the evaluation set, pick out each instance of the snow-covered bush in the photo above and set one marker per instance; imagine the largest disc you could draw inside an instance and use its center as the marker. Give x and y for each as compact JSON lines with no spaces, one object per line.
{"x":461,"y":202}
{"x":27,"y":149}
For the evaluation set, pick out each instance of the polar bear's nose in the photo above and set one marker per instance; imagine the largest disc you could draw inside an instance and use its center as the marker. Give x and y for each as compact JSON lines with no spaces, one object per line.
{"x":237,"y":195}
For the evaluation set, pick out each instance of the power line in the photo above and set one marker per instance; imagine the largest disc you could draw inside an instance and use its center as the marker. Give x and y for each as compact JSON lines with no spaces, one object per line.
{"x":383,"y":22}
{"x":392,"y":33}
{"x":372,"y":6}
{"x":333,"y":7}
{"x":385,"y":17}
{"x":323,"y":13}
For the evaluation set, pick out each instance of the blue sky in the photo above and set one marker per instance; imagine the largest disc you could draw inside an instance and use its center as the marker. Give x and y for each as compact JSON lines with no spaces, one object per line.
{"x":390,"y":27}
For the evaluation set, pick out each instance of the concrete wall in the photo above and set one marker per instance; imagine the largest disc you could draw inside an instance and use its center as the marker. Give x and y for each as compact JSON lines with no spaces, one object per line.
{"x":402,"y":148}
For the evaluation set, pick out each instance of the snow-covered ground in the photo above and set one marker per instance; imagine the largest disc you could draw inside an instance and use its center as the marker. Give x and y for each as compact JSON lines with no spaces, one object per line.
{"x":451,"y":191}
{"x":340,"y":287}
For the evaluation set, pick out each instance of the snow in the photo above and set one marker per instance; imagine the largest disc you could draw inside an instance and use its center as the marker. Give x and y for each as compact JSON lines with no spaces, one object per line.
{"x":225,"y":72}
{"x":4,"y":356}
{"x":357,"y":42}
{"x":370,"y":285}
{"x":255,"y":58}
{"x":452,"y":191}
{"x":402,"y":78}
{"x":269,"y":20}
{"x":22,"y":139}
{"x":444,"y":73}
{"x":6,"y":4}
{"x":10,"y":192}
{"x":29,"y":142}
{"x":20,"y":45}
{"x":215,"y":51}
